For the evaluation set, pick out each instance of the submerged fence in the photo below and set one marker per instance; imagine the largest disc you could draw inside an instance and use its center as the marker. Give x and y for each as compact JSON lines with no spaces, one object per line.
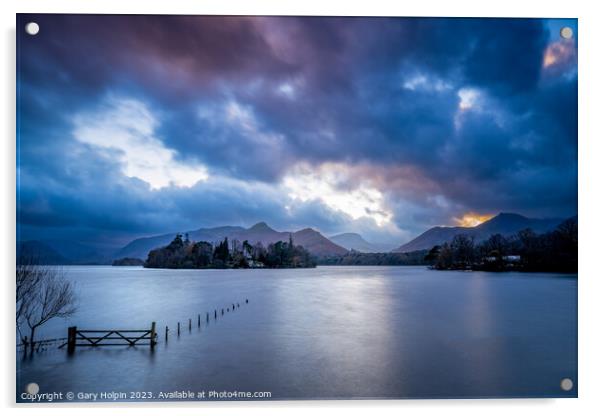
{"x":127,"y":337}
{"x":207,"y":319}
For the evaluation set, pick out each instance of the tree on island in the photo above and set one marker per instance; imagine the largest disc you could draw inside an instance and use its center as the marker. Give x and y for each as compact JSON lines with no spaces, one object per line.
{"x":180,"y":254}
{"x":221,"y":254}
{"x":433,"y":254}
{"x":462,"y":247}
{"x":202,"y":253}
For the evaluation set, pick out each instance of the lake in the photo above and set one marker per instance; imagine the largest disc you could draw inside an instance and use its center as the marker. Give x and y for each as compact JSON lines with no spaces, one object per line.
{"x":324,"y":333}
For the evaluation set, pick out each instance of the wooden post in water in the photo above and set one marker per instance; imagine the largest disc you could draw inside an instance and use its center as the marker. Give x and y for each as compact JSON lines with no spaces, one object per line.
{"x":166,"y":332}
{"x":178,"y":329}
{"x":189,"y":324}
{"x":215,"y":313}
{"x":207,"y":317}
{"x":199,"y":320}
{"x":153,"y":335}
{"x":232,"y":306}
{"x":246,"y":300}
{"x":71,"y":337}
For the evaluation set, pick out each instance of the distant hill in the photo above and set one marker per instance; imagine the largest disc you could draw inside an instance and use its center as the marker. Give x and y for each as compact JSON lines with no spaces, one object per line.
{"x":140,"y":247}
{"x":39,"y":253}
{"x":68,"y":252}
{"x":80,"y":253}
{"x":310,"y":239}
{"x":504,"y":223}
{"x":316,"y":243}
{"x":354,"y":241}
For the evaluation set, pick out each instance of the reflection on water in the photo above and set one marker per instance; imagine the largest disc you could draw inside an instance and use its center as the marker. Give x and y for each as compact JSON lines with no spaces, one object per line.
{"x":330,"y":332}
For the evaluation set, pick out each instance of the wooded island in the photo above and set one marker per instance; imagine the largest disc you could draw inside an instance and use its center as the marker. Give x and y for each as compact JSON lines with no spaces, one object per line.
{"x":182,"y":253}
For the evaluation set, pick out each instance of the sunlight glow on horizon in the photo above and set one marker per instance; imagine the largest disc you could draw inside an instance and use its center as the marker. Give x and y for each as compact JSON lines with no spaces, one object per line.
{"x":472,"y":219}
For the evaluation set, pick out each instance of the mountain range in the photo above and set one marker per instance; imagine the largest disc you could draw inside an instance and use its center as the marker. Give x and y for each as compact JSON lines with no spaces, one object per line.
{"x":68,"y":252}
{"x":505,"y":224}
{"x":311,"y":239}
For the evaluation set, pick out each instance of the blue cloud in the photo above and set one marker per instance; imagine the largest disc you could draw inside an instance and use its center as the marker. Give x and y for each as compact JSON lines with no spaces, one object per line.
{"x":441,"y":116}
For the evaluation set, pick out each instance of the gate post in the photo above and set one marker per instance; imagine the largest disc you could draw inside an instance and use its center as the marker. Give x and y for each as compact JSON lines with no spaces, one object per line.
{"x":71,"y":337}
{"x":153,"y":335}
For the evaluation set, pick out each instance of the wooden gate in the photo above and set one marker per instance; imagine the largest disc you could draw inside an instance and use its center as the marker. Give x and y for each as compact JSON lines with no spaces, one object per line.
{"x":110,"y":337}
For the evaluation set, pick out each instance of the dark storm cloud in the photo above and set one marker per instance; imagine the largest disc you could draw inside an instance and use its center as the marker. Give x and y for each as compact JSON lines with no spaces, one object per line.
{"x":92,"y":50}
{"x":252,"y":97}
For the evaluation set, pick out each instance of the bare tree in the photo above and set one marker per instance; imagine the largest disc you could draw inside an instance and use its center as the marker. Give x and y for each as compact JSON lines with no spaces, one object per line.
{"x":42,"y":294}
{"x":28,"y":278}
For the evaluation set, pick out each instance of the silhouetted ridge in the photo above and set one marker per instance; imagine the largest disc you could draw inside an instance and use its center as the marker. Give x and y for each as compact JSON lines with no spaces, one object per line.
{"x":505,"y":223}
{"x":261,"y":226}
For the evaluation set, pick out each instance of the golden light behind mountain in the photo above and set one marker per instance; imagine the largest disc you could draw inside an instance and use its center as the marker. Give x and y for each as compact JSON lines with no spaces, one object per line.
{"x":472,"y":219}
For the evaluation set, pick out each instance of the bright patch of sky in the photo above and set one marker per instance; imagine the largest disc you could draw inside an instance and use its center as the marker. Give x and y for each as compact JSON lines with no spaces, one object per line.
{"x":472,"y":219}
{"x":327,"y":185}
{"x":422,"y":82}
{"x":286,"y":89}
{"x":127,"y":127}
{"x":468,"y":98}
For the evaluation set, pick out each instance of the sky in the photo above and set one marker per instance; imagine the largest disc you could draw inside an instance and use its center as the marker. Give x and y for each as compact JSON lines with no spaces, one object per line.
{"x":130,"y":126}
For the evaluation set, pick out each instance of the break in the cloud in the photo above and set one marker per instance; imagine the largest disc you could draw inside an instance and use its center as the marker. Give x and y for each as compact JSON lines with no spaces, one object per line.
{"x":327,"y":184}
{"x":383,"y":126}
{"x":125,"y":131}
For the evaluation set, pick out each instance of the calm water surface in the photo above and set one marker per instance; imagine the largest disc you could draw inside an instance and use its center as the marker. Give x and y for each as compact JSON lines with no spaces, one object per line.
{"x":330,"y":332}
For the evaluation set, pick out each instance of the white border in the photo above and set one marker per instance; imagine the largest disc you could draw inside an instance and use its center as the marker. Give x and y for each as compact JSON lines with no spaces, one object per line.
{"x":590,"y":200}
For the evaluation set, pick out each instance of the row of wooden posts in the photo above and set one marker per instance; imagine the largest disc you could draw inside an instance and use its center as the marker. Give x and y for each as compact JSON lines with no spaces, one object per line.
{"x":129,"y":337}
{"x":207,"y":318}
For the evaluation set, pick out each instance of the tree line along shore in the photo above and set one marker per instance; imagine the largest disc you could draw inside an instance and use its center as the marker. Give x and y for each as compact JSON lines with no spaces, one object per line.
{"x":554,"y":251}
